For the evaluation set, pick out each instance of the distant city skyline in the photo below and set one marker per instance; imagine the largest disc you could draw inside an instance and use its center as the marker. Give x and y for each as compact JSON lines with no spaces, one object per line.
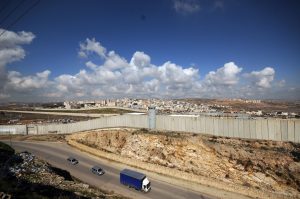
{"x":79,"y":50}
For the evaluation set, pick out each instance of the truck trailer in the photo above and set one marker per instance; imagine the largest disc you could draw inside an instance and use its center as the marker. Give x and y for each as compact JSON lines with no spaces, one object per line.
{"x":134,"y":179}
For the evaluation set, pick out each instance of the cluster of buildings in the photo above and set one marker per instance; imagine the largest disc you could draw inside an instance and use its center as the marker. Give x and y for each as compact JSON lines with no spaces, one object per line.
{"x":165,"y":106}
{"x":89,"y":104}
{"x":162,"y":105}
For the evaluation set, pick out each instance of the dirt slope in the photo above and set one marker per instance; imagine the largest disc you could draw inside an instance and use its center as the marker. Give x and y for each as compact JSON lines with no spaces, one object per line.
{"x":264,"y":166}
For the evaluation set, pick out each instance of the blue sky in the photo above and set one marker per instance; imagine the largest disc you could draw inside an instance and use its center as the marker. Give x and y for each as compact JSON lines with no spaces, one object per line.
{"x":199,"y":34}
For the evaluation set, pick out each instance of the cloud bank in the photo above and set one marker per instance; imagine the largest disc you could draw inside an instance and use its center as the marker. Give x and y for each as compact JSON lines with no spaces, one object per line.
{"x":116,"y":77}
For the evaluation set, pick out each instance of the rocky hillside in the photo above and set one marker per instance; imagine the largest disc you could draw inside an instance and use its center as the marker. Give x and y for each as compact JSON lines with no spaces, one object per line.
{"x":265,"y":166}
{"x":22,"y":175}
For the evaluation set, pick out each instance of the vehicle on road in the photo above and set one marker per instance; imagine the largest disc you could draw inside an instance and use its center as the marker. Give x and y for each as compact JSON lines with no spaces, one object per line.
{"x":97,"y":170}
{"x":73,"y":160}
{"x":134,"y":179}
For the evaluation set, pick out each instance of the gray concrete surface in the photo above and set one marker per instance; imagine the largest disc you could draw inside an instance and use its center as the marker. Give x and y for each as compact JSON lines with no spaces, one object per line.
{"x":57,"y":153}
{"x":259,"y":128}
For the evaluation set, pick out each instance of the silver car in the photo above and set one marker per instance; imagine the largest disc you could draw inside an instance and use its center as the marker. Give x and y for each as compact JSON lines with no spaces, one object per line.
{"x":73,"y":160}
{"x":97,"y":170}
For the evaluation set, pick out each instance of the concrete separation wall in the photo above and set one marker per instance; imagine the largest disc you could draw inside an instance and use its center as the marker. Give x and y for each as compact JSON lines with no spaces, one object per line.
{"x":259,"y":128}
{"x":12,"y":129}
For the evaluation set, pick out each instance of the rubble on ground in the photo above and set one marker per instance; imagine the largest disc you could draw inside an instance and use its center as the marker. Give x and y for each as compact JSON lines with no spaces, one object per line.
{"x":26,"y":172}
{"x":5,"y":196}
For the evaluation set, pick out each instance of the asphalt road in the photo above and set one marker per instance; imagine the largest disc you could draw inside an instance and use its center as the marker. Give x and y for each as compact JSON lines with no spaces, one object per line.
{"x":57,"y":153}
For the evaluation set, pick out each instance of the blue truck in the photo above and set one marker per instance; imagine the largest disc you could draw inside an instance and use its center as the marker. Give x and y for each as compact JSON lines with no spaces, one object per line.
{"x":134,"y":179}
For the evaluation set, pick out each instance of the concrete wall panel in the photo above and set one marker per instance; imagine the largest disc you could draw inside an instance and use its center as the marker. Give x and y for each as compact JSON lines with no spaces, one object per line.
{"x":188,"y":124}
{"x":202,"y":124}
{"x":176,"y":123}
{"x":241,"y":128}
{"x":264,"y":129}
{"x":198,"y":124}
{"x":278,"y":135}
{"x":291,"y":130}
{"x":246,"y":128}
{"x":12,"y":129}
{"x":195,"y":123}
{"x":258,"y":128}
{"x":182,"y":124}
{"x":284,"y":129}
{"x":271,"y":129}
{"x":230,"y":127}
{"x":252,"y":124}
{"x":297,"y":131}
{"x":209,"y":125}
{"x":172,"y":124}
{"x":159,"y":122}
{"x":225,"y":126}
{"x":235,"y":128}
{"x":216,"y":126}
{"x":162,"y":123}
{"x":221,"y":127}
{"x":205,"y":125}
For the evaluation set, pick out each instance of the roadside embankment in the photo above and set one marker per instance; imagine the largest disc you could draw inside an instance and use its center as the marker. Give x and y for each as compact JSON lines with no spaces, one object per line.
{"x":262,"y":169}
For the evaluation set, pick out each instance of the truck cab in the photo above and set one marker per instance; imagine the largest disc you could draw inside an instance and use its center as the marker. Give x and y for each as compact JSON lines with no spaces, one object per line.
{"x":146,"y":185}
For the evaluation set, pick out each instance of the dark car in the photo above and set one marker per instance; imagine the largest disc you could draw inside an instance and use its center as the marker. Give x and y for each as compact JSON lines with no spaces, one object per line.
{"x":72,"y":160}
{"x":97,"y":170}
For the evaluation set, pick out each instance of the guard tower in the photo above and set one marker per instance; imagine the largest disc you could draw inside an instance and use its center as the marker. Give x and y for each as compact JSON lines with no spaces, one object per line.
{"x":152,"y":117}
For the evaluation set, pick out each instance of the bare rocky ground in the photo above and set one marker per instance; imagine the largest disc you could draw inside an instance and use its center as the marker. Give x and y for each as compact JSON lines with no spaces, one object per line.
{"x":258,"y":165}
{"x":29,"y":118}
{"x":22,"y":175}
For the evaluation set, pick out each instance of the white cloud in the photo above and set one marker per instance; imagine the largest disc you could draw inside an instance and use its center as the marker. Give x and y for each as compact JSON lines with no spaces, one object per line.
{"x":91,"y":65}
{"x":91,"y":46}
{"x":151,"y":86}
{"x":17,"y":82}
{"x":226,"y":75}
{"x":10,"y":55}
{"x":114,"y":61}
{"x":10,"y":47}
{"x":11,"y":39}
{"x":140,"y":60}
{"x":186,"y":6}
{"x":263,"y":78}
{"x":116,"y":77}
{"x":171,"y":73}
